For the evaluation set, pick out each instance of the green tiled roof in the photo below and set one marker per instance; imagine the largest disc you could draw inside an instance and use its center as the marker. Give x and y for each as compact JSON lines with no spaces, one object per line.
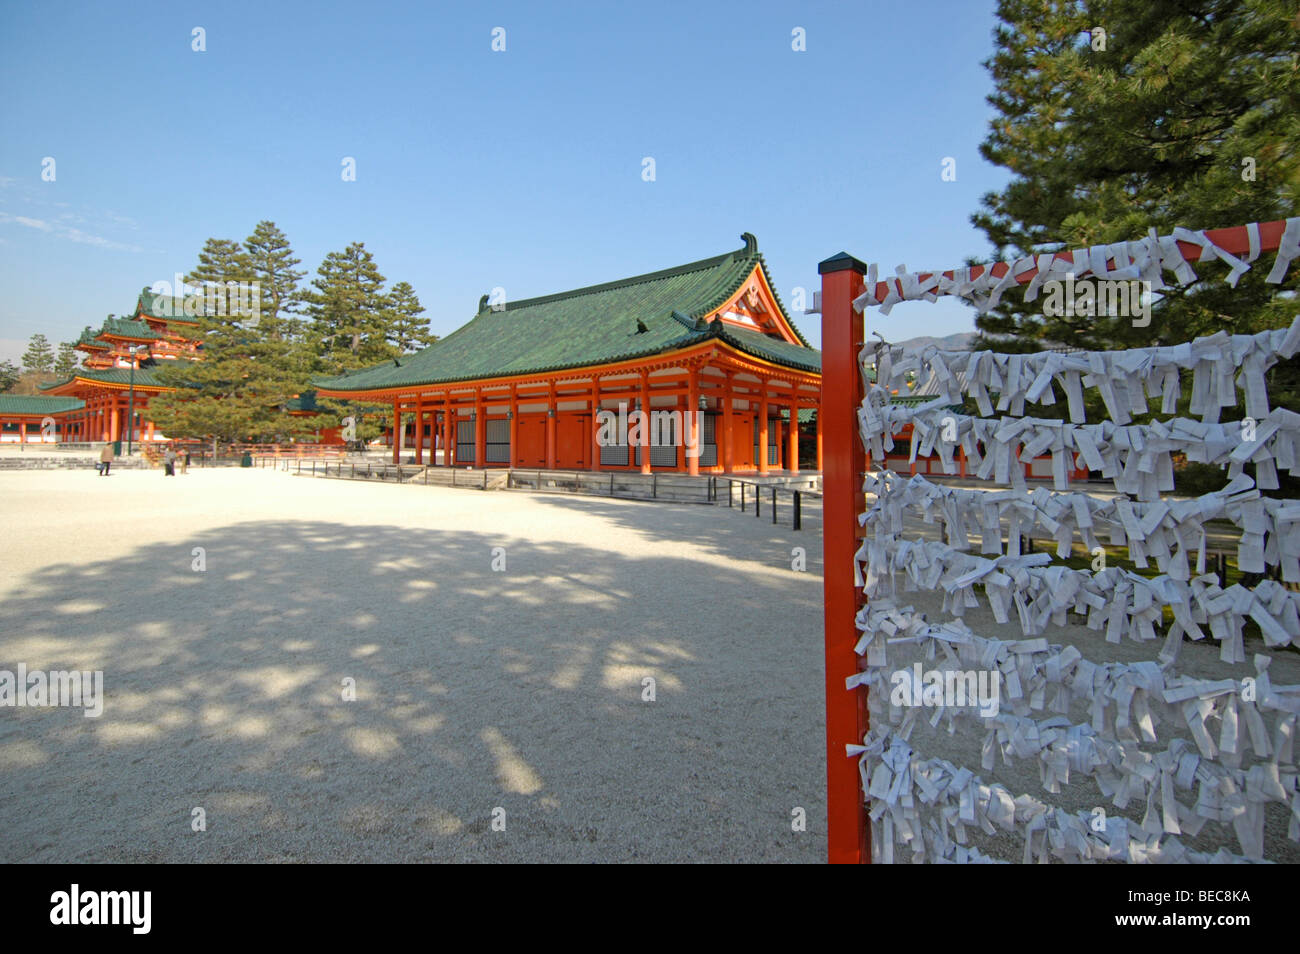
{"x":616,"y":321}
{"x":87,"y":340}
{"x":163,"y":307}
{"x":772,"y":349}
{"x":35,"y":404}
{"x":128,"y":328}
{"x":144,"y":377}
{"x":912,"y":400}
{"x":306,"y":401}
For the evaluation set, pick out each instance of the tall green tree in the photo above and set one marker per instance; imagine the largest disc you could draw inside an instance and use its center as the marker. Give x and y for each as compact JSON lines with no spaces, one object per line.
{"x":1115,"y":116}
{"x":235,"y":391}
{"x":280,"y":345}
{"x":349,"y":327}
{"x":67,"y":360}
{"x":271,"y":262}
{"x":349,"y":314}
{"x":9,"y":375}
{"x":407,"y":331}
{"x":221,"y":262}
{"x":39,"y":356}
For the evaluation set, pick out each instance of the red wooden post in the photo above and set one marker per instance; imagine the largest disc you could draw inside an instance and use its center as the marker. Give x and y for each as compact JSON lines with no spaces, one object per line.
{"x":645,"y":423}
{"x":514,"y":425}
{"x":595,"y":423}
{"x":792,"y":452}
{"x":419,"y":432}
{"x":397,"y":431}
{"x":693,"y":416}
{"x":848,"y":835}
{"x":480,"y":429}
{"x":552,"y":410}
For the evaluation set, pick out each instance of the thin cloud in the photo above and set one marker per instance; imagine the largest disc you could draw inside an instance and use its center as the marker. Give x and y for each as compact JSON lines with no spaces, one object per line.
{"x":68,"y":232}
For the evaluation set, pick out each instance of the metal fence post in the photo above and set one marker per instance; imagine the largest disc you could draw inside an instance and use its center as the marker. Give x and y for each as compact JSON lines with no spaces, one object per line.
{"x":798,"y":511}
{"x":774,"y":505}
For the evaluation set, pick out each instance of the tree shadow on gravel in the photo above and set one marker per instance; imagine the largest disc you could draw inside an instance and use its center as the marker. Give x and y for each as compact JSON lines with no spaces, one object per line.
{"x":476,"y":690}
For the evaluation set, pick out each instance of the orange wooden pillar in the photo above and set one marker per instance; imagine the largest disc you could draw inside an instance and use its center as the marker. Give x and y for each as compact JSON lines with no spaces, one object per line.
{"x":595,"y":423}
{"x":792,"y":451}
{"x":819,"y":439}
{"x":448,"y":439}
{"x":848,"y":835}
{"x":112,"y":421}
{"x":453,"y":434}
{"x":419,"y":432}
{"x":728,"y":433}
{"x":550,"y":425}
{"x":514,"y":426}
{"x":397,"y":431}
{"x":480,"y":430}
{"x":693,"y":423}
{"x":762,"y":428}
{"x":645,"y":422}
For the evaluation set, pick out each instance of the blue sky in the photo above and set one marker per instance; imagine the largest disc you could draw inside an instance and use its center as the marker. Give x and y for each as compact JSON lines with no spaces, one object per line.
{"x":475,"y":169}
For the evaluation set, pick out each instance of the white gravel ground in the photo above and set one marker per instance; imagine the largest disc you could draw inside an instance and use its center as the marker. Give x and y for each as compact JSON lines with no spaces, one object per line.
{"x":475,"y":689}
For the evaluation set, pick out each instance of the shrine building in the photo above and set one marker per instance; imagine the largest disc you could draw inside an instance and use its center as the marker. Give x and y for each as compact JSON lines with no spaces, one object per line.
{"x":524,"y":383}
{"x":117,"y":377}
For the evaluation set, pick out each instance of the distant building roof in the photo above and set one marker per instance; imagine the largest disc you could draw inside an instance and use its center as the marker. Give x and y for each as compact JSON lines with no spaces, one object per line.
{"x":37,"y":404}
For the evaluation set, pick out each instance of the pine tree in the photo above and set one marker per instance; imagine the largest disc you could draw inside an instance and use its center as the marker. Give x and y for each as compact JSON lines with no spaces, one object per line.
{"x":349,"y":328}
{"x":208,"y":285}
{"x":348,"y":313}
{"x":9,"y":375}
{"x":39,"y":356}
{"x":236,"y":391}
{"x":1160,"y":122}
{"x":270,"y":261}
{"x":68,"y":359}
{"x":407,"y":331}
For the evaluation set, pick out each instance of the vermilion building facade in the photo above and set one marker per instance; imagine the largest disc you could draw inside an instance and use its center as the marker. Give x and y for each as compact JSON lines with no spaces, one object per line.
{"x":524,"y":382}
{"x":117,"y":378}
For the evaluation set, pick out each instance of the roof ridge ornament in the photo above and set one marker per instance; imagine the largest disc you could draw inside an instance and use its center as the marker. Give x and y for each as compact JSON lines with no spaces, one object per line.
{"x":483,"y":304}
{"x":751,"y":243}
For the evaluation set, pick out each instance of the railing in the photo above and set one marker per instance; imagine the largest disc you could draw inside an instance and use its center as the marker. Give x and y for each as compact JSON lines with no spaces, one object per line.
{"x":740,"y":492}
{"x":757,"y":493}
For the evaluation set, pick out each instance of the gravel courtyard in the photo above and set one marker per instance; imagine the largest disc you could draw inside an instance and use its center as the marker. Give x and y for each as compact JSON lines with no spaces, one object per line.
{"x":476,"y":689}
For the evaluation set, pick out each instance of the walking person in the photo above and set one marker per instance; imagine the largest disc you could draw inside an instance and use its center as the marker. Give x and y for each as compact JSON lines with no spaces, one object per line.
{"x":185,"y":462}
{"x":169,"y":462}
{"x":105,"y":459}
